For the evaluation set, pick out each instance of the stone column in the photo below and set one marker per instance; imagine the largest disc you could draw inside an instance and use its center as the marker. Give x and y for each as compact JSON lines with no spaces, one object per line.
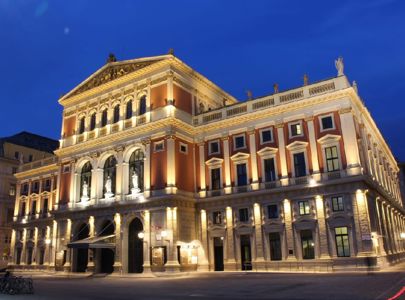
{"x":91,"y":252}
{"x":119,"y":175}
{"x":203,"y":184}
{"x":52,"y":248}
{"x":314,"y":148}
{"x":118,"y":244}
{"x":146,"y":242}
{"x":282,"y":153}
{"x":171,"y":166}
{"x":228,"y":186}
{"x":289,"y":237}
{"x":253,"y":159}
{"x":97,"y":184}
{"x":230,"y":262}
{"x":172,"y":264}
{"x":381,"y":229}
{"x":34,"y":249}
{"x":146,"y":174}
{"x":12,"y":246}
{"x":68,"y":233}
{"x":350,"y":141}
{"x":361,"y":218}
{"x":24,"y":247}
{"x":259,"y":262}
{"x":323,"y":229}
{"x":204,"y":264}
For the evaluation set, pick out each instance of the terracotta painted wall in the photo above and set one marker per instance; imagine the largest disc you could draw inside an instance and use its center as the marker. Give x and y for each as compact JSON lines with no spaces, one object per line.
{"x":183,"y":99}
{"x":158,"y":96}
{"x":184,"y":167}
{"x":69,"y":126}
{"x":64,"y":188}
{"x":158,"y":167}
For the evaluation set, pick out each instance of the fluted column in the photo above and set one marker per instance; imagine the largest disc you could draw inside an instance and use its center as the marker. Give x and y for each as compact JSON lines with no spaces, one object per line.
{"x":146,"y":242}
{"x":172,"y":264}
{"x":68,"y":234}
{"x":203,"y":265}
{"x":118,"y":244}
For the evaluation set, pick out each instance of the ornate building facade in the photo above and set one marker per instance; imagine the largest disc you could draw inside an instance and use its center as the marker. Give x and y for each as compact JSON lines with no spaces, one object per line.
{"x":161,"y":170}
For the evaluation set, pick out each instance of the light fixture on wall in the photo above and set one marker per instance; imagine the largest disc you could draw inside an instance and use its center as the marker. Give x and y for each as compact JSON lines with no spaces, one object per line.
{"x":163,"y":233}
{"x":141,"y":235}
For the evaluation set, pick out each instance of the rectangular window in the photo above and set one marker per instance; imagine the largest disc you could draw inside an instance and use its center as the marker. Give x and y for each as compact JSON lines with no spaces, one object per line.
{"x":295,"y":129}
{"x":158,"y":146}
{"x":217,"y":217}
{"x":66,"y":169}
{"x":342,"y":242}
{"x":241,"y":174}
{"x":332,"y":159}
{"x":30,"y":158}
{"x":216,"y":179}
{"x":327,"y":122}
{"x":183,"y":148}
{"x":308,"y":245}
{"x":239,"y":142}
{"x":272,"y":211}
{"x":269,"y":170}
{"x":16,"y":155}
{"x":33,"y":207}
{"x":275,"y":246}
{"x":304,"y":208}
{"x":243,"y":215}
{"x":213,"y":147}
{"x":22,"y":212}
{"x":299,"y":164}
{"x":266,"y":136}
{"x":337,"y":204}
{"x":11,"y":190}
{"x":81,"y":125}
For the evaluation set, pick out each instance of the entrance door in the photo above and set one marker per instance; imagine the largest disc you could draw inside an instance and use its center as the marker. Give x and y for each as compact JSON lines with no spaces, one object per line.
{"x":18,"y":258}
{"x":218,"y":254}
{"x":245,"y":252}
{"x":29,"y":256}
{"x":41,"y":256}
{"x":106,"y":259}
{"x":275,"y":246}
{"x":81,"y":254}
{"x":135,"y":247}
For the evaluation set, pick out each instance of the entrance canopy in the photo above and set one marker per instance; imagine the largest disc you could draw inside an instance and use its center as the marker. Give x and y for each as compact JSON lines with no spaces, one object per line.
{"x":97,"y":242}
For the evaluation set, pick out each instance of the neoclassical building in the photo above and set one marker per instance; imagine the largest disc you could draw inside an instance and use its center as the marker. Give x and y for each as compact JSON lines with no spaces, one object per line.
{"x":159,"y":169}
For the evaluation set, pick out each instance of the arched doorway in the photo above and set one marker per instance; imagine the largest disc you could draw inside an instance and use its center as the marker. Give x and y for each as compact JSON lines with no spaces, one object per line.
{"x":81,"y":254}
{"x":135,"y":247}
{"x":106,"y":255}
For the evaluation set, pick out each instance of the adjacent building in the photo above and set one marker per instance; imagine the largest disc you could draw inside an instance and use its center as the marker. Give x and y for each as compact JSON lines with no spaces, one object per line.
{"x":159,"y":169}
{"x":15,"y":150}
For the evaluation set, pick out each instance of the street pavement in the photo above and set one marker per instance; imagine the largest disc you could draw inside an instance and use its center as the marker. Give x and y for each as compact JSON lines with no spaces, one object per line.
{"x":236,"y":285}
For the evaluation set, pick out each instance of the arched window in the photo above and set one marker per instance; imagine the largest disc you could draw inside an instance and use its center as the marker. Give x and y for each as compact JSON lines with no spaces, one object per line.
{"x":85,"y":178}
{"x":142,"y":105}
{"x":93,"y":121}
{"x":128,"y":113}
{"x":136,"y":167}
{"x":104,"y":118}
{"x":81,"y":125}
{"x":109,"y":171}
{"x":116,"y":114}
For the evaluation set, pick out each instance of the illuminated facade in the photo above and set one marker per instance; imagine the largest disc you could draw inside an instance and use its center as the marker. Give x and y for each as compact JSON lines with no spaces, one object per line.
{"x":161,"y":170}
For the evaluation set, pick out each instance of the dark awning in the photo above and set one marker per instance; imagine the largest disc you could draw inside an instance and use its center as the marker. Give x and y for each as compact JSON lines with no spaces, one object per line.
{"x":97,"y":242}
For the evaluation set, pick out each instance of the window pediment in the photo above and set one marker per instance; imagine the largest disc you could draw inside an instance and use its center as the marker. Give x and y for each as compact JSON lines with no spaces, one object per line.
{"x":297,"y":145}
{"x":239,"y":156}
{"x":267,"y":151}
{"x":214,"y":161}
{"x":329,"y":138}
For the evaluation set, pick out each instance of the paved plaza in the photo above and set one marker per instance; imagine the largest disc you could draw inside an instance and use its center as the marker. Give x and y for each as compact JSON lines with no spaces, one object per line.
{"x":379,"y":285}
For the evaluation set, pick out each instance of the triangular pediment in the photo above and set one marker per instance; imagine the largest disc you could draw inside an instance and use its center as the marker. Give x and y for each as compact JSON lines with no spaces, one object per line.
{"x":239,"y":156}
{"x":214,"y":161}
{"x":329,"y":138}
{"x":267,"y":151}
{"x":296,"y":145}
{"x":110,"y":72}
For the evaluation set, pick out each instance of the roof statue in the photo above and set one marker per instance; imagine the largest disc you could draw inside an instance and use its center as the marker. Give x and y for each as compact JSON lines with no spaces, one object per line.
{"x":111,"y":58}
{"x":171,"y":51}
{"x":354,"y":85}
{"x":306,"y":79}
{"x":275,"y":87}
{"x":249,"y":94}
{"x":339,"y":66}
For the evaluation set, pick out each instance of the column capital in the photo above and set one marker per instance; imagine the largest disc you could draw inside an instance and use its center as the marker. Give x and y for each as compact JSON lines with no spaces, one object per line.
{"x":309,"y":118}
{"x":345,"y":110}
{"x":279,"y":125}
{"x":224,"y":138}
{"x":146,"y":141}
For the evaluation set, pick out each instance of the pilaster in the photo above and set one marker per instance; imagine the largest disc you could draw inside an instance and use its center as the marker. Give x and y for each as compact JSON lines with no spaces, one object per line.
{"x":350,"y":141}
{"x":282,"y":153}
{"x":230,"y":262}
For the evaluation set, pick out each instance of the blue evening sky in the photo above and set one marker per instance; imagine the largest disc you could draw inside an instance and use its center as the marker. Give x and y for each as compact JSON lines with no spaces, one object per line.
{"x":48,"y":47}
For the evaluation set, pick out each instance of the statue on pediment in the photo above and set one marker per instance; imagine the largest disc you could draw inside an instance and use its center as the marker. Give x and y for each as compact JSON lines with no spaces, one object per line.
{"x":85,"y":192}
{"x":339,"y":66}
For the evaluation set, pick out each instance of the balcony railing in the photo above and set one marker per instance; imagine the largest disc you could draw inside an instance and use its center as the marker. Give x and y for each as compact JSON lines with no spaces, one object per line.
{"x":39,"y":163}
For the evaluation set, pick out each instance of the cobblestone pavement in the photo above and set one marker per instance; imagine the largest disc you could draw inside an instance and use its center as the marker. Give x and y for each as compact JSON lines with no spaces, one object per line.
{"x":379,"y":285}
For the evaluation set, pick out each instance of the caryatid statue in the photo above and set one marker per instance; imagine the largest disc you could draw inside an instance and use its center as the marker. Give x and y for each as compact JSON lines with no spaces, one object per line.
{"x":135,"y":186}
{"x":339,"y":66}
{"x":108,"y":185}
{"x":85,"y":191}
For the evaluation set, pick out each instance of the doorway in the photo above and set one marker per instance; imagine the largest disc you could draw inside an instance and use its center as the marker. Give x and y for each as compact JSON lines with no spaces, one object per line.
{"x":245,"y":253}
{"x":107,"y":256}
{"x":135,"y":247}
{"x":81,"y":254}
{"x":218,"y":254}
